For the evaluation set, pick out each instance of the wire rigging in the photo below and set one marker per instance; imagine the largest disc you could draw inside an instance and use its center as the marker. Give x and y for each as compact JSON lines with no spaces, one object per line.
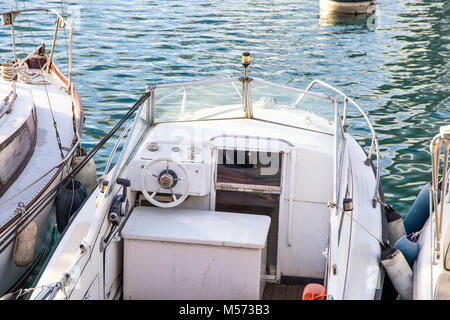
{"x":58,"y":138}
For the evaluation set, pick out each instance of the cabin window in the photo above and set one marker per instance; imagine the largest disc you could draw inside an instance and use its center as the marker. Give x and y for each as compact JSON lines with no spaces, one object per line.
{"x":249,"y":167}
{"x":250,"y":182}
{"x":12,"y":154}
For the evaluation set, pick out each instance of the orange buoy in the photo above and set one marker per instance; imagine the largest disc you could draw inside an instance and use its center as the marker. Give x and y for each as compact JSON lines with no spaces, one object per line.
{"x":314,"y":291}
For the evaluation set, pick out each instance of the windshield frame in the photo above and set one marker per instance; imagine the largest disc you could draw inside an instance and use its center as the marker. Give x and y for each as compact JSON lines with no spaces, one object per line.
{"x":247,"y":108}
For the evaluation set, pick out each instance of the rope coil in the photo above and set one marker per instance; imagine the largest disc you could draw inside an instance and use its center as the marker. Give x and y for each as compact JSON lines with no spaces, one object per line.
{"x":11,"y":71}
{"x":8,"y":70}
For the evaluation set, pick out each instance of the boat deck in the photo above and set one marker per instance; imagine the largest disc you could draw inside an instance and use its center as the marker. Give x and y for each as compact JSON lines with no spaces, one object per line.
{"x":273,"y":291}
{"x":46,"y":154}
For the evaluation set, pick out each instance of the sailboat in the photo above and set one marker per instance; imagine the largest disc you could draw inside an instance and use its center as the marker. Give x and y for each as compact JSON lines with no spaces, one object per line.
{"x":230,"y":188}
{"x":41,"y":118}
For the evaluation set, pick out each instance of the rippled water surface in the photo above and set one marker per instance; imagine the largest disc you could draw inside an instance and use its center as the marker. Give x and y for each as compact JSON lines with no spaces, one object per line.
{"x":394,"y":64}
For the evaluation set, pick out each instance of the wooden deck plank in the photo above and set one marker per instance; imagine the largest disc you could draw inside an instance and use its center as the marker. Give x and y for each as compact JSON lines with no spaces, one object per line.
{"x":294,"y":292}
{"x":274,"y":291}
{"x":268,"y":292}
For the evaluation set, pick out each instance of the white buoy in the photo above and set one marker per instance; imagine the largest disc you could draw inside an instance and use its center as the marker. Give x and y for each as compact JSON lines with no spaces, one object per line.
{"x":88,"y":175}
{"x":398,"y":271}
{"x":25,"y":244}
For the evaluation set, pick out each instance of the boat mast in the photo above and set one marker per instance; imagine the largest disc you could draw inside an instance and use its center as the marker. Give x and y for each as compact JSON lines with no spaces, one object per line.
{"x":7,"y":19}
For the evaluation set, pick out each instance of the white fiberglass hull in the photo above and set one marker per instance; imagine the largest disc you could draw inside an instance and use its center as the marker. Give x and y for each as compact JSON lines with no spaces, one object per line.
{"x":429,"y":264}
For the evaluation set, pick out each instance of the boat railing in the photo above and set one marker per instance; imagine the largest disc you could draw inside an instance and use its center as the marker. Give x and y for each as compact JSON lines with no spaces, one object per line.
{"x":374,"y":147}
{"x":439,"y":140}
{"x":116,"y":146}
{"x":8,"y":19}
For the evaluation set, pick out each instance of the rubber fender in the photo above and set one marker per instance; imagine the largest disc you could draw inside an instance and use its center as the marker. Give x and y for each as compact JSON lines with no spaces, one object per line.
{"x":409,"y":248}
{"x":398,"y":270}
{"x":68,"y":200}
{"x":395,"y":226}
{"x":88,"y":174}
{"x":419,"y":211}
{"x":10,"y":296}
{"x":24,"y":245}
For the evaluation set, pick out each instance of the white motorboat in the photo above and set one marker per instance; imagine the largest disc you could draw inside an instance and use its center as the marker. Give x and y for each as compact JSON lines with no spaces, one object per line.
{"x":41,"y":118}
{"x":346,"y":7}
{"x":229,"y":188}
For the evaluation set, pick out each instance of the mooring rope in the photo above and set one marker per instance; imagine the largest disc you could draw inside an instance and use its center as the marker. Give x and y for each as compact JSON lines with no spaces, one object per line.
{"x":333,"y":205}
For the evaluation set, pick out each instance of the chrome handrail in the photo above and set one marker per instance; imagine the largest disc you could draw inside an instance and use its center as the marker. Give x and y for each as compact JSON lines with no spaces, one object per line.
{"x":373,"y":146}
{"x":442,"y":138}
{"x":301,"y":91}
{"x":116,"y":145}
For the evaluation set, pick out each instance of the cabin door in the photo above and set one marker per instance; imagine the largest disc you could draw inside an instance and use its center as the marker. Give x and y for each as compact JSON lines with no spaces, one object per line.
{"x":250,"y":182}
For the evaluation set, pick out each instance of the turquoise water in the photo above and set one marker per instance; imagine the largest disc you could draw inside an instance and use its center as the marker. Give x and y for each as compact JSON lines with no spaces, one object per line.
{"x":394,"y":64}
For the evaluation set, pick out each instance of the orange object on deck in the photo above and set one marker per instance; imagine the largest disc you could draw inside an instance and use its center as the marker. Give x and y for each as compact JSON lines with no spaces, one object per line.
{"x":314,"y":291}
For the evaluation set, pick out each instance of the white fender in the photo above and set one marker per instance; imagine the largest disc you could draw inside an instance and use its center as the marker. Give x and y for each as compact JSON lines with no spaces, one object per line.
{"x":399,"y":272}
{"x":88,"y":175}
{"x":25,"y":244}
{"x":396,"y":230}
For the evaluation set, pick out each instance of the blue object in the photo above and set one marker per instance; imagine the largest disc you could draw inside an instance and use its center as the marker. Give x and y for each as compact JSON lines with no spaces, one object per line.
{"x":419,"y":211}
{"x":68,"y":200}
{"x":410,"y":249}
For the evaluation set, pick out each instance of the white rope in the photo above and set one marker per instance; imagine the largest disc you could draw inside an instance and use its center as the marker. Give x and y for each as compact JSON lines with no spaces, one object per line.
{"x":372,"y":235}
{"x":21,"y":292}
{"x":331,"y":205}
{"x":8,"y":71}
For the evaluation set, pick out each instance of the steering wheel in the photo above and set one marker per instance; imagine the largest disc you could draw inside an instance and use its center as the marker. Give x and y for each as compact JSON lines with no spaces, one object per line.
{"x":167,"y":179}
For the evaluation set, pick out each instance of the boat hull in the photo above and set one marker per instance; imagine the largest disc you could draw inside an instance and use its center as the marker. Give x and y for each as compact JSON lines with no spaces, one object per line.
{"x":429,"y":265}
{"x":14,"y":277}
{"x":348,"y":7}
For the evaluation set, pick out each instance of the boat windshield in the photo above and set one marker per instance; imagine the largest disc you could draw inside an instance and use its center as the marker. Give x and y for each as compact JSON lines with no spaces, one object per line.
{"x":223,"y":99}
{"x":293,"y":107}
{"x":213,"y":99}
